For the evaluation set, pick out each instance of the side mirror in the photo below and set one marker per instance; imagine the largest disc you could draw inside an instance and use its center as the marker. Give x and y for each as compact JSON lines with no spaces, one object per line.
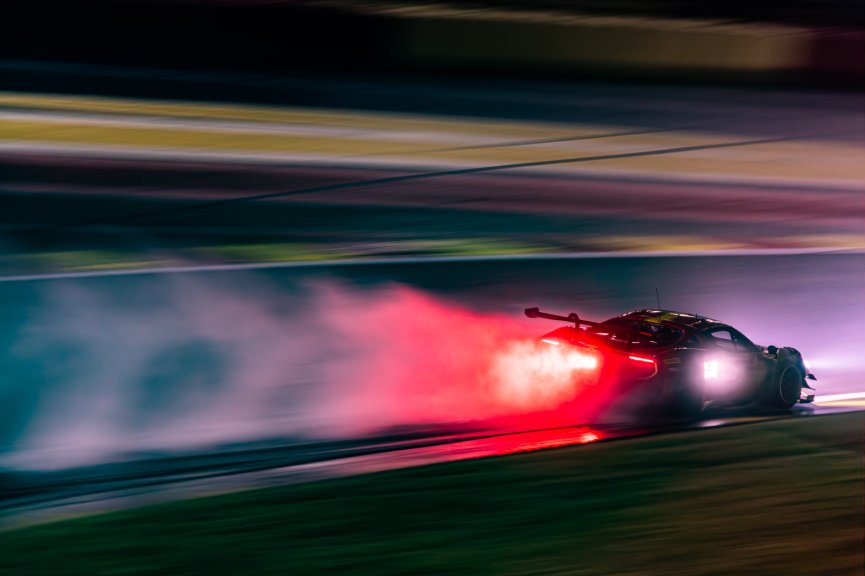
{"x":772,"y":350}
{"x":532,"y":312}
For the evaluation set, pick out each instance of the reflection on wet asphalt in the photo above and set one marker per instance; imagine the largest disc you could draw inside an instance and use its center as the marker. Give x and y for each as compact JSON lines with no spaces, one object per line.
{"x":36,"y":497}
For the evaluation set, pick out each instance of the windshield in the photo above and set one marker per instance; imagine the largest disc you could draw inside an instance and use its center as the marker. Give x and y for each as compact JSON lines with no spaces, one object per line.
{"x":629,"y":333}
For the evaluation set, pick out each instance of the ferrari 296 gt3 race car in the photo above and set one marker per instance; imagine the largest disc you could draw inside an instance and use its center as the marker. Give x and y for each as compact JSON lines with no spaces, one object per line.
{"x":685,"y":362}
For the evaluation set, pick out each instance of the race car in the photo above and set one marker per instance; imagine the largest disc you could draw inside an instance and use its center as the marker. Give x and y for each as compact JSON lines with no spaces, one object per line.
{"x":685,"y":362}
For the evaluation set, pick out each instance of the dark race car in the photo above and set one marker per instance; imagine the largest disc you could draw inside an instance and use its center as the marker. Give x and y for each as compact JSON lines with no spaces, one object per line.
{"x":684,"y":361}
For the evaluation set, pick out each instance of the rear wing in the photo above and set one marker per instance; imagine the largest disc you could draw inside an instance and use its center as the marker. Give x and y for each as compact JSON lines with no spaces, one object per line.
{"x":572,"y":317}
{"x":620,"y":337}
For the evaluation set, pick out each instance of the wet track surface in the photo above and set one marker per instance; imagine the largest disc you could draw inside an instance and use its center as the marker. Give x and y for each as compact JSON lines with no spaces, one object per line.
{"x":44,"y":496}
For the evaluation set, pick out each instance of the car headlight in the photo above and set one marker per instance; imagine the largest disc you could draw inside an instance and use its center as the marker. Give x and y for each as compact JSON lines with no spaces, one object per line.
{"x":723,"y":373}
{"x":710,"y":369}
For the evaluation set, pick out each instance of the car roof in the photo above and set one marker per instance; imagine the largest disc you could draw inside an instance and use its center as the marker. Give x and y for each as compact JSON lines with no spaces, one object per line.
{"x":673,"y":318}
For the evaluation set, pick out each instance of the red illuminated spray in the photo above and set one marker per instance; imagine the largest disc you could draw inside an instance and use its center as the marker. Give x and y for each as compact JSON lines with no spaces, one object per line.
{"x":413,"y":359}
{"x":332,"y":361}
{"x":528,"y":375}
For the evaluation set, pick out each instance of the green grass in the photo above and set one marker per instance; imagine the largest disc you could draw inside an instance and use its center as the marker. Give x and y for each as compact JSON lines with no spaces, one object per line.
{"x":772,"y":498}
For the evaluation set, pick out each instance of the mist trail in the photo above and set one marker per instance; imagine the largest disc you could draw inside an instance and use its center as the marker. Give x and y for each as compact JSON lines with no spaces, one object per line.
{"x":176,"y":362}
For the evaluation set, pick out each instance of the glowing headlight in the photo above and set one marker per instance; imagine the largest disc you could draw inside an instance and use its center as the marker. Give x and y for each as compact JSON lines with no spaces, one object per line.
{"x":724,"y":373}
{"x":710,"y":369}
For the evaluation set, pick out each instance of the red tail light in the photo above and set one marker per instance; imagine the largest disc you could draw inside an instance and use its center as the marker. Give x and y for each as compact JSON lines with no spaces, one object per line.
{"x":641,"y":367}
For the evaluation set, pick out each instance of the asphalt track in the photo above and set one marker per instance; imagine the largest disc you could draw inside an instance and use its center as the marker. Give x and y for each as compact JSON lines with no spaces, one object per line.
{"x":30,"y":498}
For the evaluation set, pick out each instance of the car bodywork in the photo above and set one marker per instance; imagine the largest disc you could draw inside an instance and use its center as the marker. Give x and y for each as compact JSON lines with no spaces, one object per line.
{"x":685,"y":361}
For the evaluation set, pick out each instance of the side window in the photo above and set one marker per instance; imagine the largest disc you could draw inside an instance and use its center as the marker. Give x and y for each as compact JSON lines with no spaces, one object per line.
{"x":722,"y":338}
{"x":742,"y":340}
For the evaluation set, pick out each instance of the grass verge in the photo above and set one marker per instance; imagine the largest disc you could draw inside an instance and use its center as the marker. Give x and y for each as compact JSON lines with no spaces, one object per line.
{"x":783,"y":497}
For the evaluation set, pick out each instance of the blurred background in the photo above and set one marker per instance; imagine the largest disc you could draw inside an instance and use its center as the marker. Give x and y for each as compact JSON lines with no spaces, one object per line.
{"x":249,"y":242}
{"x":227,"y":221}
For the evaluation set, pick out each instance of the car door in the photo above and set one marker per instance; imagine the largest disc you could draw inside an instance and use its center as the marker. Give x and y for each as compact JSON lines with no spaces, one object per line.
{"x":733,"y":365}
{"x":756,"y":369}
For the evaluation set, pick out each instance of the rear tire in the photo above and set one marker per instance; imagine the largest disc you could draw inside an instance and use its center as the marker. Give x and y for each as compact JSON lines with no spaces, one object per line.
{"x":786,"y":388}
